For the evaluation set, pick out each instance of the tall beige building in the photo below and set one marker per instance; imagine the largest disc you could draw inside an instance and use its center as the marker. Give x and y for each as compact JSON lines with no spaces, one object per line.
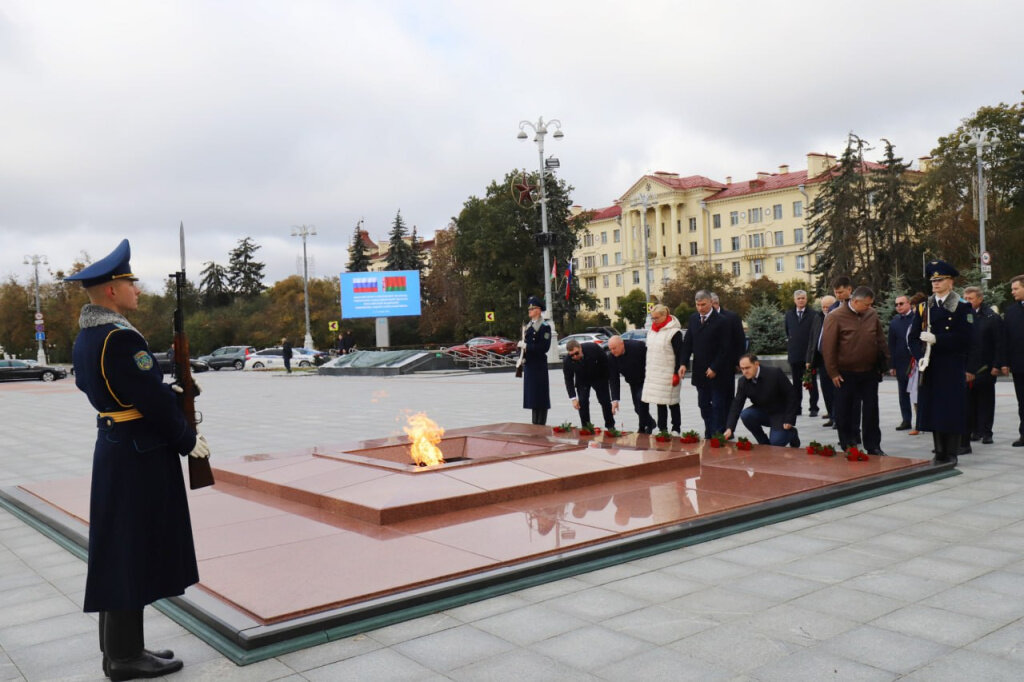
{"x":753,"y":228}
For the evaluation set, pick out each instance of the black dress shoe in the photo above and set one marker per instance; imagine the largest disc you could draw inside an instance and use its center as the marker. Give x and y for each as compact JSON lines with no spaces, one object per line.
{"x":975,"y":438}
{"x":904,"y":426}
{"x":159,"y":653}
{"x":987,"y":440}
{"x":830,"y":423}
{"x":965,"y":450}
{"x":1019,"y":443}
{"x":812,"y":413}
{"x":144,"y":666}
{"x":877,"y":451}
{"x":795,"y":442}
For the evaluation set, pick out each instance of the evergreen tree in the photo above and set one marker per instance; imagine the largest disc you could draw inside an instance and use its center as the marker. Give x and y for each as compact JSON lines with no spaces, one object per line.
{"x":885,"y":300}
{"x":358,"y":259}
{"x":213,"y":285}
{"x":766,"y":327}
{"x":418,"y":261}
{"x":895,"y":217}
{"x":245,"y":274}
{"x":400,"y":253}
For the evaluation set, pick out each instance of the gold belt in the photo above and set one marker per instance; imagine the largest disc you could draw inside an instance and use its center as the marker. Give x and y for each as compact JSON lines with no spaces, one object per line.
{"x":121,"y":415}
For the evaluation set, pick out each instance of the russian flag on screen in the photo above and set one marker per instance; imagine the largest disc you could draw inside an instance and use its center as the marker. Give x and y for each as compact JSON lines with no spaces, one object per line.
{"x":394,"y":283}
{"x":364,"y":285}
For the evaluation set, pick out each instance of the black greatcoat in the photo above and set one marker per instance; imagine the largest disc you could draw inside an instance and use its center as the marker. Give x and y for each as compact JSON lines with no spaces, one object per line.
{"x":536,"y":395}
{"x":140,"y":533}
{"x":942,"y":391}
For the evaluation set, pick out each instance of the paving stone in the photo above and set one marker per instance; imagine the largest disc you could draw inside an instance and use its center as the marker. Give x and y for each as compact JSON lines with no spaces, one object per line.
{"x":734,"y":647}
{"x":937,"y":625}
{"x":383,"y":664}
{"x":658,"y":624}
{"x":452,"y":648}
{"x":895,"y":652}
{"x":519,"y":664}
{"x":665,"y":665}
{"x":591,"y":648}
{"x":530,"y":624}
{"x":816,"y":665}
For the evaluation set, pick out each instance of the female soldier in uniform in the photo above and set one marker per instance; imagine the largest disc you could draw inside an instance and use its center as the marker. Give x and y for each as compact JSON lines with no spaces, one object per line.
{"x":535,"y":344}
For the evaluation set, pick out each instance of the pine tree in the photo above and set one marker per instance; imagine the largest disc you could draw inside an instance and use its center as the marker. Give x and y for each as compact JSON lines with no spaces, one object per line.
{"x":245,"y":274}
{"x":895,"y":216}
{"x":358,"y":259}
{"x":766,"y":327}
{"x":400,"y":255}
{"x":213,"y":285}
{"x":417,"y":253}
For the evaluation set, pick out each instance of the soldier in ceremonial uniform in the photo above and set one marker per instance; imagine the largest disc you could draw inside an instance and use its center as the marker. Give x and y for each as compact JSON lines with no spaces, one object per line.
{"x":140,"y":533}
{"x":535,"y":344}
{"x":943,"y":322}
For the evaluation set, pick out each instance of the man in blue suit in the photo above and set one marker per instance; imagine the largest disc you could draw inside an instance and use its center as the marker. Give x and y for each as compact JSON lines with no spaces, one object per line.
{"x":1013,"y":325}
{"x":800,"y":320}
{"x":708,"y":352}
{"x":899,"y":352}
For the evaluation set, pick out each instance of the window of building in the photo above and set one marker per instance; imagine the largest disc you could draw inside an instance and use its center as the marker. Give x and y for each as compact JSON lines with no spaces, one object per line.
{"x":679,"y":227}
{"x":778,"y":238}
{"x":756,"y":241}
{"x":618,"y":279}
{"x":636,"y":277}
{"x":716,"y":220}
{"x":718,"y":267}
{"x":591,"y":282}
{"x":588,"y":239}
{"x":779,"y":264}
{"x":589,"y":261}
{"x":716,"y":245}
{"x":679,"y":249}
{"x":777,"y":211}
{"x":758,"y":266}
{"x":616,"y":236}
{"x":618,"y":258}
{"x":647,"y":231}
{"x":798,"y":209}
{"x":734,"y":217}
{"x":663,"y":229}
{"x":735,"y":243}
{"x":604,"y":281}
{"x":650,"y":276}
{"x":801,"y":263}
{"x":604,"y":237}
{"x":607,"y":303}
{"x":693,"y":248}
{"x":736,"y":268}
{"x":604,"y":257}
{"x":693,"y":224}
{"x":754,"y":215}
{"x":575,"y":264}
{"x":663,"y":251}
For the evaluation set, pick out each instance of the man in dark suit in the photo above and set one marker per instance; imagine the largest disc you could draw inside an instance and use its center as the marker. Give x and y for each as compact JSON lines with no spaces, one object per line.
{"x":773,"y":404}
{"x":1013,"y":323}
{"x":983,"y":363}
{"x":816,"y":361}
{"x":708,"y":352}
{"x":799,"y":322}
{"x":586,"y":367}
{"x":628,"y":359}
{"x":899,"y":352}
{"x":738,"y":339}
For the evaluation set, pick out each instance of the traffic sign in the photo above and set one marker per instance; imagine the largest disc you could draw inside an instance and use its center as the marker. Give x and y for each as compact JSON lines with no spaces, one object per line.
{"x":986,"y":258}
{"x":39,"y":316}
{"x":332,"y":325}
{"x":40,"y":336}
{"x":39,"y":328}
{"x":489,"y":316}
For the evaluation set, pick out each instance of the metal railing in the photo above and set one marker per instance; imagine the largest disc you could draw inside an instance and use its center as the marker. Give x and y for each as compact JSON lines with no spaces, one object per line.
{"x":482,"y":358}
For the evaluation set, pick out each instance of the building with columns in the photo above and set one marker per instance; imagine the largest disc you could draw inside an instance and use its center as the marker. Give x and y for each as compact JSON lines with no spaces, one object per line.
{"x":752,"y":228}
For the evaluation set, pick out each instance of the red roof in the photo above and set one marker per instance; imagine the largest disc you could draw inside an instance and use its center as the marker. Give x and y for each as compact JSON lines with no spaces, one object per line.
{"x":605,"y":213}
{"x":772,"y":182}
{"x":365,"y":236}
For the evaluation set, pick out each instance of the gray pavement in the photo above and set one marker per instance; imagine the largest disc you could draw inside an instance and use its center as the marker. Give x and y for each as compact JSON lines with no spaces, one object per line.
{"x":922,"y":584}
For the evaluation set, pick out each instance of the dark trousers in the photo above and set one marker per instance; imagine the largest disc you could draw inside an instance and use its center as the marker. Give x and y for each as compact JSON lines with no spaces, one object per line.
{"x":981,"y":410}
{"x":642,"y":409}
{"x":1018,"y":387}
{"x":755,"y":419}
{"x":906,"y":412}
{"x":288,"y":364}
{"x":856,"y":409}
{"x":540,"y":416}
{"x":828,"y":392}
{"x":947,"y":446}
{"x":604,"y":397}
{"x":798,"y":369}
{"x":677,"y":417}
{"x":713,"y":399}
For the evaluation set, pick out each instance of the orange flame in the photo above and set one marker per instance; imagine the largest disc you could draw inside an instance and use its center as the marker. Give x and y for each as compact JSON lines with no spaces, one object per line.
{"x":424,"y":434}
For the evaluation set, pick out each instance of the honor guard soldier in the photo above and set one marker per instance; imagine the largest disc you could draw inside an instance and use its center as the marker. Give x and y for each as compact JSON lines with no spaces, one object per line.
{"x":140,"y":533}
{"x":943,"y":327}
{"x":535,"y":344}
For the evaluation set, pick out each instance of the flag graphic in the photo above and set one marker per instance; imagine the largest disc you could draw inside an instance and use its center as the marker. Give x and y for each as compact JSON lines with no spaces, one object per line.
{"x":364,"y":285}
{"x":554,"y":270}
{"x":394,"y":283}
{"x":568,"y":279}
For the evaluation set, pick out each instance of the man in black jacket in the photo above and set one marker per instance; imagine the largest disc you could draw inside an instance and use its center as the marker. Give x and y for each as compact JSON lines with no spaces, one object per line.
{"x":628,"y":359}
{"x":815,"y":360}
{"x":586,"y":367}
{"x":983,"y":362}
{"x":799,"y":322}
{"x":899,"y":352}
{"x":1013,"y":323}
{"x":707,"y":354}
{"x":773,"y":404}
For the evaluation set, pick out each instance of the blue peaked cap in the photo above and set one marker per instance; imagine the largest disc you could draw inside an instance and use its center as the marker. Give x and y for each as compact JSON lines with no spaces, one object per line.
{"x":940,"y":269}
{"x":112,"y":266}
{"x":534,"y":301}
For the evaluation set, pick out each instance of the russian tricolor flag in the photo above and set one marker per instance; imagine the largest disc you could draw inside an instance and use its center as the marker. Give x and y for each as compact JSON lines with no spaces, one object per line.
{"x":364,"y":285}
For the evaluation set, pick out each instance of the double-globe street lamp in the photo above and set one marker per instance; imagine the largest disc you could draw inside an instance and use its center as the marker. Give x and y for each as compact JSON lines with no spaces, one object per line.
{"x":646,"y":199}
{"x":979,"y":139}
{"x":35,"y":260}
{"x":540,"y":129}
{"x":305,"y":231}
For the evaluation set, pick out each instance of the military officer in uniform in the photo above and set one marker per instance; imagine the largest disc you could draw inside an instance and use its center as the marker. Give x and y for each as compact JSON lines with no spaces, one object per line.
{"x":140,"y":533}
{"x":535,"y":344}
{"x":943,"y":323}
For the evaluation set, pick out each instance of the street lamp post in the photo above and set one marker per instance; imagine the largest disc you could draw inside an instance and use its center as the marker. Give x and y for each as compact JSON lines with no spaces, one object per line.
{"x":645,"y":199}
{"x":35,"y":261}
{"x":305,"y":231}
{"x":979,"y":139}
{"x":540,"y":129}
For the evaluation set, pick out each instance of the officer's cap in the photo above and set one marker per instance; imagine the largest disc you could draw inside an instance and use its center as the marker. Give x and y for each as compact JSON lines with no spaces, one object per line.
{"x":534,"y":302}
{"x":112,"y":266}
{"x":940,"y":269}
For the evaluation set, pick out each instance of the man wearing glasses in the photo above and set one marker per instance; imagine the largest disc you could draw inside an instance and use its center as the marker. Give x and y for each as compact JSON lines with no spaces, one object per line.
{"x":586,"y":367}
{"x":899,"y":351}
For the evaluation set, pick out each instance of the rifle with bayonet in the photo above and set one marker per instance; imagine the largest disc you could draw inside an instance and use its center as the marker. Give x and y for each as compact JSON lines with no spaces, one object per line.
{"x":199,"y":472}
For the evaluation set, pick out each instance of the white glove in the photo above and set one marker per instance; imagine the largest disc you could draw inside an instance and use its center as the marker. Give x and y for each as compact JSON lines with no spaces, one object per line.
{"x":521,"y":344}
{"x":178,"y":389}
{"x":928,"y":337}
{"x":202,"y":448}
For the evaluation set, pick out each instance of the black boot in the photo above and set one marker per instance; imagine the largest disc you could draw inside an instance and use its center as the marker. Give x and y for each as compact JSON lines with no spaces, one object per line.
{"x":540,"y":416}
{"x":159,"y":653}
{"x":126,"y":657}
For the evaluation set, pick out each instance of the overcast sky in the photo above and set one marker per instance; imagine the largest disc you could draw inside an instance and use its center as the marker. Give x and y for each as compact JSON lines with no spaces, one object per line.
{"x":243,"y":119}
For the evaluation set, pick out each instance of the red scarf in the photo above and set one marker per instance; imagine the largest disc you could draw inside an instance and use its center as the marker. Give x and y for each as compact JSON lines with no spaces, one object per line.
{"x":657,"y":326}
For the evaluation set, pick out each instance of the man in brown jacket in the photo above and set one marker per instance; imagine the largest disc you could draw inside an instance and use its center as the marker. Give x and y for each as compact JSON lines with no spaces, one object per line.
{"x":856,"y":353}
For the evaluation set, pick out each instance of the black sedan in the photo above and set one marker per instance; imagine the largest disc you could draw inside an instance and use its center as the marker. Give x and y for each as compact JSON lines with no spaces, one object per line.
{"x":166,"y":362}
{"x":19,"y":370}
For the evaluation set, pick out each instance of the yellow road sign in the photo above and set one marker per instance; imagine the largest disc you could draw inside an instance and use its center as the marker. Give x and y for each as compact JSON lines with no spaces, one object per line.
{"x":332,"y":325}
{"x":489,"y":316}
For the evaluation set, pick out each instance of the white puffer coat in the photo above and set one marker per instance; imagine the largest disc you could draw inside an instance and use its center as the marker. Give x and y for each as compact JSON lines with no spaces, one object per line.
{"x":661,"y":365}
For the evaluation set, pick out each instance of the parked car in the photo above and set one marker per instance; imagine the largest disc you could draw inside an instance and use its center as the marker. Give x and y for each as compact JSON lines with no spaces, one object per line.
{"x":19,"y":370}
{"x":166,"y":362}
{"x":607,"y":331}
{"x":583,"y":337}
{"x":481,"y":344}
{"x":228,"y":356}
{"x":271,"y":358}
{"x":635,"y":334}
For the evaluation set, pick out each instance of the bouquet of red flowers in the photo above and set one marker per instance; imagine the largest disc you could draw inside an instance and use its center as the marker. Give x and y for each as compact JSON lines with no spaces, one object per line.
{"x":743,"y":444}
{"x":808,"y":378}
{"x":718,"y":440}
{"x":663,"y":436}
{"x":855,"y":455}
{"x":690,"y":437}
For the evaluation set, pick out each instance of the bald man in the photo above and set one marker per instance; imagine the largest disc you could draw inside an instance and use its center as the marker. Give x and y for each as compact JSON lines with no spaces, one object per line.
{"x":628,"y":359}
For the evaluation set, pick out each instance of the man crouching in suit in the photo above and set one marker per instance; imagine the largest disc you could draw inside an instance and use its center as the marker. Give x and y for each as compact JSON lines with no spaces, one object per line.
{"x":773,"y":404}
